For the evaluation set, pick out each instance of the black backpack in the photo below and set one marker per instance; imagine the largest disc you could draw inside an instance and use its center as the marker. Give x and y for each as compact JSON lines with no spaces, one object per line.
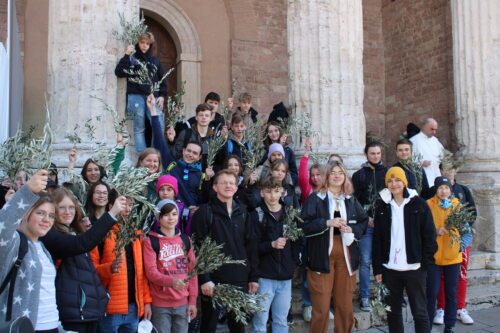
{"x":20,"y":324}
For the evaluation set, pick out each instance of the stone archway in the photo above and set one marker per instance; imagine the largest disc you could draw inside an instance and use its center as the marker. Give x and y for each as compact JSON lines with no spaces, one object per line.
{"x":173,"y":18}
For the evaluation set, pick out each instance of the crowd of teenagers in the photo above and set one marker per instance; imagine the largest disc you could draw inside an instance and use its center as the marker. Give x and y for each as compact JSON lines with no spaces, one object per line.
{"x":385,"y":220}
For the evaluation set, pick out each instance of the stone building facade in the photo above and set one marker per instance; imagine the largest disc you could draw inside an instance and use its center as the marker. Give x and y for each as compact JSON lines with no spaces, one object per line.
{"x":354,"y":66}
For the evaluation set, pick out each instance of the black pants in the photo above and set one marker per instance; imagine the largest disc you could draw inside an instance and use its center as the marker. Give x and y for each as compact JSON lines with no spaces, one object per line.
{"x":82,"y":327}
{"x":414,"y":282}
{"x":209,"y":316}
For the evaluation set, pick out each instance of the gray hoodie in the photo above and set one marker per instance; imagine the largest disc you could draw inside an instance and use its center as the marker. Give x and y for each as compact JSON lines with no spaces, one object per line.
{"x":27,"y":289}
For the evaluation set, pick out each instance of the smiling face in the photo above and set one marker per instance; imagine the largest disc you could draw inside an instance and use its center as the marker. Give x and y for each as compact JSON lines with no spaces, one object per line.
{"x":443,"y":192}
{"x":336,"y":178}
{"x":92,"y":173}
{"x":396,"y":186}
{"x":40,"y":221}
{"x":403,"y":152}
{"x":279,"y":173}
{"x":100,"y":196}
{"x":191,"y":153}
{"x":225,"y":186}
{"x":273,"y":132}
{"x":234,"y":166}
{"x":316,"y":178}
{"x":66,"y":211}
{"x":169,"y":220}
{"x":151,"y":162}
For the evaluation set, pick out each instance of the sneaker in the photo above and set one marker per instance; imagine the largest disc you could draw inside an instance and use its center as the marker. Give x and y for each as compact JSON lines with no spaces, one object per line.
{"x":307,"y":313}
{"x":464,"y":317}
{"x":439,"y":317}
{"x":332,"y":315}
{"x":365,"y":305}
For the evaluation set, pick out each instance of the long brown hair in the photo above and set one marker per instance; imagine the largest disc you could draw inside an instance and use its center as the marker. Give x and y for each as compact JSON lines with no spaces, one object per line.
{"x":76,"y":225}
{"x":347,"y":187}
{"x":145,"y":153}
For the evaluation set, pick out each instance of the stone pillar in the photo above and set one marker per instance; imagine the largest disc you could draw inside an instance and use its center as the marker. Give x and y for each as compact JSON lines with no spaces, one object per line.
{"x":476,"y":71}
{"x":325,"y":45}
{"x":82,"y":57}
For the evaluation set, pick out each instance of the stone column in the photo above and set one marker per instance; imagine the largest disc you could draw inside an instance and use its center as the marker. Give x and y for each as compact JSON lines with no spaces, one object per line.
{"x":82,"y":57}
{"x":325,"y":45}
{"x":476,"y":71}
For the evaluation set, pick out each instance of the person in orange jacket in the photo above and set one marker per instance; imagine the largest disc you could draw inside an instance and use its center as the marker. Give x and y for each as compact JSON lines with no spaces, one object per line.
{"x":125,"y":279}
{"x":448,"y":256}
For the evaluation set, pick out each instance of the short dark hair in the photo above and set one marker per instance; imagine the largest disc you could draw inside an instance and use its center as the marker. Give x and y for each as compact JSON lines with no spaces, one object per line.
{"x":225,"y":172}
{"x":194,"y":142}
{"x":236,"y":119}
{"x":167,"y":208}
{"x":404,"y":141}
{"x":270,"y":182}
{"x":213,"y":96}
{"x":238,"y":159}
{"x":204,"y":107}
{"x":373,"y":144}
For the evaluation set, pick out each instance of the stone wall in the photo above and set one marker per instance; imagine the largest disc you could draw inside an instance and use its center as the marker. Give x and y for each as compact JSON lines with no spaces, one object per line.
{"x":260,"y":59}
{"x":418,"y":66}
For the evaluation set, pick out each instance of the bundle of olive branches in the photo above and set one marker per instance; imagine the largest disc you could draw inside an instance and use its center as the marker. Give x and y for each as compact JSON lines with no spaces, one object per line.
{"x":119,"y":124}
{"x":209,"y":257}
{"x":290,"y":228}
{"x":226,"y":113}
{"x":234,"y":300}
{"x":132,"y":183}
{"x":214,"y":146}
{"x":379,"y":305}
{"x":414,"y":165}
{"x":254,"y":150}
{"x":300,"y":124}
{"x":145,"y":73}
{"x":175,"y":108}
{"x":130,"y":29}
{"x":449,"y":161}
{"x":458,"y":222}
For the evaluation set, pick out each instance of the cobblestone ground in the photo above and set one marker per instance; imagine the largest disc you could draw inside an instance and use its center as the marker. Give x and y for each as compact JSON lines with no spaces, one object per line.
{"x":485,"y":321}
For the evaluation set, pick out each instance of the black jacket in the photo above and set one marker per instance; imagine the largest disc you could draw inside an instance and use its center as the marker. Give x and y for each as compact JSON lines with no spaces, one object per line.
{"x":426,"y":192}
{"x":273,"y":263}
{"x":315,"y":214}
{"x":292,"y":163}
{"x":130,"y":63}
{"x":236,"y":232}
{"x":420,"y":234}
{"x":367,"y":182}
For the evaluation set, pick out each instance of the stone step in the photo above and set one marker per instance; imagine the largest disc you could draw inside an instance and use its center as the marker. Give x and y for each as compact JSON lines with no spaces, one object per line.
{"x":483,"y":260}
{"x":483,"y":277}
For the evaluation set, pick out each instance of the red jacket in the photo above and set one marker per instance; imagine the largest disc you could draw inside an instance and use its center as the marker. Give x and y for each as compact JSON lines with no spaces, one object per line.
{"x":116,"y":283}
{"x":305,"y":186}
{"x":172,"y":263}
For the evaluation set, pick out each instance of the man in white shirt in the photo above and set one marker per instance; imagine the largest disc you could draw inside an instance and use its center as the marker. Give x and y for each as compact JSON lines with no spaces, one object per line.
{"x":428,"y":146}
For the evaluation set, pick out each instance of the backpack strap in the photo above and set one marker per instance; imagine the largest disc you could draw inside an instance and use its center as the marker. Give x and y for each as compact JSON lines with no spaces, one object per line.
{"x":10,"y":278}
{"x":187,"y":242}
{"x":155,"y":244}
{"x":171,"y":166}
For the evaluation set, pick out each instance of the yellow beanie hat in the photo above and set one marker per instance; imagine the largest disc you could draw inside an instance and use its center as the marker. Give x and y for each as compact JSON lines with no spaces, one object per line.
{"x":396,"y":172}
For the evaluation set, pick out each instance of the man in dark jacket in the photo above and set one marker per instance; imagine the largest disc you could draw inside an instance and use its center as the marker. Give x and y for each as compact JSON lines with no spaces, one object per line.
{"x":404,"y":243}
{"x":367,"y":182}
{"x":227,"y":223}
{"x":138,"y":60}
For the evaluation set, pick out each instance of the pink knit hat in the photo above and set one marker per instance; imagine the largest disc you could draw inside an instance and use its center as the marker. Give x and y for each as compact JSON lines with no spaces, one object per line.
{"x":167,"y":180}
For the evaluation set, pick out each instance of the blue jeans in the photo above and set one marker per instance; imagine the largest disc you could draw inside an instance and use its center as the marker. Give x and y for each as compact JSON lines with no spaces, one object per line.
{"x":365,"y":249}
{"x":450,"y":276}
{"x":279,"y":298}
{"x":120,"y":323}
{"x":138,"y":110}
{"x":167,"y":320}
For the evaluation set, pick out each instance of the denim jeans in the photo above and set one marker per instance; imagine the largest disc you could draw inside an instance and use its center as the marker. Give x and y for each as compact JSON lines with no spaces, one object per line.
{"x":279,"y":297}
{"x":138,"y":110}
{"x":167,"y":320}
{"x":450,"y":274}
{"x":365,"y":249}
{"x":120,"y":323}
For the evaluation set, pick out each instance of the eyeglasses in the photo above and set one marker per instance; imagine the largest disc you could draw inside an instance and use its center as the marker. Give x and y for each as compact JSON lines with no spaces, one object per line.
{"x":99,"y":193}
{"x":44,"y":214}
{"x":333,"y":173}
{"x":226,"y":183}
{"x":66,"y":209}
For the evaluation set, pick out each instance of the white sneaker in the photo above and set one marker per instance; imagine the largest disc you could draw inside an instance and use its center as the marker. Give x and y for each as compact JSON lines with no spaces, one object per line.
{"x":439,"y":317}
{"x":464,"y":317}
{"x":332,"y":315}
{"x":307,"y":313}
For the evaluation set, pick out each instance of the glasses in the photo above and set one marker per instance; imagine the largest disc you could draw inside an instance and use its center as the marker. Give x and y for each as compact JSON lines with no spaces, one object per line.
{"x":99,"y":193}
{"x":334,"y":173}
{"x":44,"y":214}
{"x":226,"y":183}
{"x":66,"y":209}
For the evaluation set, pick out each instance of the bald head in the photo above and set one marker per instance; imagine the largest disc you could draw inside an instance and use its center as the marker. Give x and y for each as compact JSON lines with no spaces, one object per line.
{"x":429,"y":127}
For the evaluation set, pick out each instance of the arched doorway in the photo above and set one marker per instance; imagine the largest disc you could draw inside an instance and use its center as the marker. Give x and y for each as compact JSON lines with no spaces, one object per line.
{"x":164,"y":48}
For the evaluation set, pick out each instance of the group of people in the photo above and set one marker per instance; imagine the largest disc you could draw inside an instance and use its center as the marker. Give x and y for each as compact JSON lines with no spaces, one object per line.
{"x":390,"y":220}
